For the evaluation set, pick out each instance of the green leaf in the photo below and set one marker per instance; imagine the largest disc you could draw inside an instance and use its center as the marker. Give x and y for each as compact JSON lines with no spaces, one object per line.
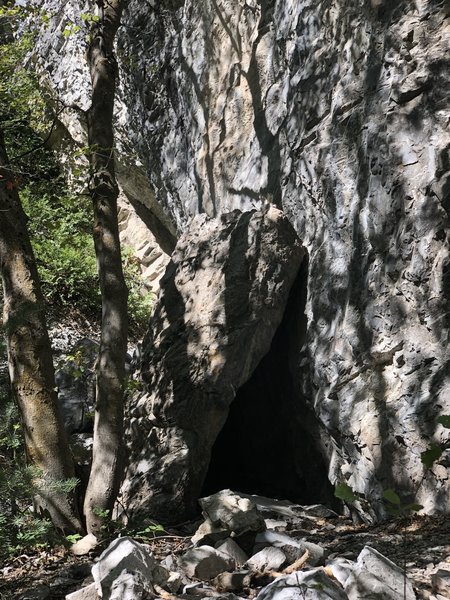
{"x":392,"y":497}
{"x":444,"y":420}
{"x":393,"y":510}
{"x":412,"y":507}
{"x":66,"y":32}
{"x":431,"y":455}
{"x":344,"y":492}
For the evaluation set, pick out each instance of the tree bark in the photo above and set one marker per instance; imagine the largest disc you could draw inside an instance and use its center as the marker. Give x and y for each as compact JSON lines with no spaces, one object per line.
{"x":105,"y":474}
{"x":30,"y":355}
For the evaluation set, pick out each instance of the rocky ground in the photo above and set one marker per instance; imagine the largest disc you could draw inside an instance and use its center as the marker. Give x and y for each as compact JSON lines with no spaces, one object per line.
{"x":271,"y":551}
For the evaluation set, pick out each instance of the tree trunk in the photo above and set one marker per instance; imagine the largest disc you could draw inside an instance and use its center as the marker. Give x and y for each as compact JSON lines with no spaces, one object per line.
{"x":106,"y":464}
{"x":30,"y":355}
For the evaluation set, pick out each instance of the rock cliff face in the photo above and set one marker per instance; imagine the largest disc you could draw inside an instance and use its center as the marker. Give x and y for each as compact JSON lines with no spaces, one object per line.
{"x":337,"y":112}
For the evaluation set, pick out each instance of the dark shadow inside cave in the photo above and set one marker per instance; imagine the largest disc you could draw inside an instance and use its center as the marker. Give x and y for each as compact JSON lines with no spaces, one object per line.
{"x":268,"y":444}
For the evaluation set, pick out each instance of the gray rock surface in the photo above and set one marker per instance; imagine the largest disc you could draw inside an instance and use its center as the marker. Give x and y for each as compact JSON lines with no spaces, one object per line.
{"x":87,"y":593}
{"x":267,"y":559}
{"x":441,"y":581}
{"x":339,"y":114}
{"x":306,"y":585}
{"x":293,"y":548}
{"x":126,"y":570}
{"x":209,"y":534}
{"x":221,"y":300}
{"x":372,"y":577}
{"x":234,"y":551}
{"x":231,"y":511}
{"x":205,"y":563}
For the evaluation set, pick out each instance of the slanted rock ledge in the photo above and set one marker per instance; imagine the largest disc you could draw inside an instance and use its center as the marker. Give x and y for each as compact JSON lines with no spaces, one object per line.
{"x":222,"y":298}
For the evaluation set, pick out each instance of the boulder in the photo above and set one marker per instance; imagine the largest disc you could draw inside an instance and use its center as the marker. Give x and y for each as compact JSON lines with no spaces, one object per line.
{"x":233,"y":550}
{"x":372,"y":577}
{"x":293,"y":548}
{"x":222,"y":298}
{"x":209,"y":534}
{"x":232,"y":582}
{"x":267,"y":559}
{"x":205,"y":563}
{"x":441,"y":581}
{"x":230,"y":511}
{"x":127,"y":569}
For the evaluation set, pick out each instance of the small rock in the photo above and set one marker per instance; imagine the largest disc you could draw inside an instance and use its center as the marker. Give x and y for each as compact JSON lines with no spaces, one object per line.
{"x":267,"y":559}
{"x":303,"y":585}
{"x":341,"y":569}
{"x":205,"y":562}
{"x":86,"y":593}
{"x":234,"y":551}
{"x":275,"y":524}
{"x":169,"y":563}
{"x":231,"y":511}
{"x":208,"y":534}
{"x":221,"y":597}
{"x":232,"y":582}
{"x":441,"y":581}
{"x":275,"y":508}
{"x":292,"y":548}
{"x":85,"y":545}
{"x":246,"y":541}
{"x":191,"y":588}
{"x":319,"y":511}
{"x":174,"y":582}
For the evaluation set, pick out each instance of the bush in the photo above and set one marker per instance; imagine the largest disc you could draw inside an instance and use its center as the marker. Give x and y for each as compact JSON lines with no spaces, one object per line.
{"x":20,"y":529}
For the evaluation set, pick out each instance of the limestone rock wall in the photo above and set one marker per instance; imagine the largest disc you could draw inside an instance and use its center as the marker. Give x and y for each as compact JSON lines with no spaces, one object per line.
{"x":338,"y":113}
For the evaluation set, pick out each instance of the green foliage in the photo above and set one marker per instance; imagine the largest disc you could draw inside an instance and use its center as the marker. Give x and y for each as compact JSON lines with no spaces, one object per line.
{"x":392,"y":497}
{"x":60,"y":223}
{"x":428,"y":457}
{"x":140,"y":300}
{"x":392,"y":500}
{"x":444,"y":420}
{"x":60,"y":230}
{"x":20,"y":529}
{"x":90,"y":18}
{"x":110,"y":527}
{"x":395,"y":507}
{"x":151,"y":531}
{"x":345,"y":493}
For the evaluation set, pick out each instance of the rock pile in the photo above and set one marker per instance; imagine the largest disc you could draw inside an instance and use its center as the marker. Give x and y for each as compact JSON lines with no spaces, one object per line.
{"x":253,"y":547}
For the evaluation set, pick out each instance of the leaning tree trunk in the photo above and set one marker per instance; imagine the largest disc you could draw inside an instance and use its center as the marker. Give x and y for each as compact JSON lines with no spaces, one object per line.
{"x":110,"y":372}
{"x":30,"y":356}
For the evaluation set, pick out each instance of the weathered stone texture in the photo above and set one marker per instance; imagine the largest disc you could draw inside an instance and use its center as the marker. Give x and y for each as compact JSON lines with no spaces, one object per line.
{"x":221,"y":300}
{"x":338,"y":112}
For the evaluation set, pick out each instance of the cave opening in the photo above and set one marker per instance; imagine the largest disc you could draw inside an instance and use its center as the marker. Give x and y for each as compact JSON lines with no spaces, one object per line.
{"x":269,"y":443}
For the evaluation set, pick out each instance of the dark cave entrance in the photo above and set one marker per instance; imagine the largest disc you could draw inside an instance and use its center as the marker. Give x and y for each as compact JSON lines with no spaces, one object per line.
{"x":267,"y":445}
